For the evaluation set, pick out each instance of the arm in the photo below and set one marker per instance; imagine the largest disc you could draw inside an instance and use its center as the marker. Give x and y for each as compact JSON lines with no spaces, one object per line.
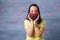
{"x":38,"y":31}
{"x":29,"y":30}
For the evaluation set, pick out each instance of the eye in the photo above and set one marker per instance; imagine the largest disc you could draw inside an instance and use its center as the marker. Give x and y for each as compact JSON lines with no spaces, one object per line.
{"x":36,"y":11}
{"x":31,"y":11}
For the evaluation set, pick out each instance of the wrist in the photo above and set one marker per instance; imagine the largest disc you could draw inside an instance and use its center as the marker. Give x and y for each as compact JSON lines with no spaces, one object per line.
{"x":31,"y":21}
{"x":35,"y":25}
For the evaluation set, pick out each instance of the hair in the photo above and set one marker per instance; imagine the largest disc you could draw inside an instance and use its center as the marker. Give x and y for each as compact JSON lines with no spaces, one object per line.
{"x":39,"y":20}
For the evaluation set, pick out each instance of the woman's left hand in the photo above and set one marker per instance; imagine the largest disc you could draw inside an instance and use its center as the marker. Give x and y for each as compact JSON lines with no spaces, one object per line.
{"x":36,"y":19}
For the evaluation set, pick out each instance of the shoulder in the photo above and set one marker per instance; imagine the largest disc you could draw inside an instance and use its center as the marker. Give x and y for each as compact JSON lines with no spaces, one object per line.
{"x":26,"y":21}
{"x":43,"y":22}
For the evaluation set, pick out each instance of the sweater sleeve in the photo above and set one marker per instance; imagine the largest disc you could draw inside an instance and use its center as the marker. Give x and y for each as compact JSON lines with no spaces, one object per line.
{"x":26,"y":23}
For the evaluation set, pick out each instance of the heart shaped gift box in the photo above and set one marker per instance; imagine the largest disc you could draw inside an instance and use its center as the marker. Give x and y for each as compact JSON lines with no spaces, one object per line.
{"x":33,"y":16}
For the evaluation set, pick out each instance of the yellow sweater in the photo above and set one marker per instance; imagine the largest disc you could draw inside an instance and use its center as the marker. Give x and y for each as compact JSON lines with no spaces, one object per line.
{"x":27,"y":23}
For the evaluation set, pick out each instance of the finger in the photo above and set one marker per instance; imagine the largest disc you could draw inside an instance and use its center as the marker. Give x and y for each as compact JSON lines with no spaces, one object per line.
{"x":29,"y":18}
{"x":37,"y":18}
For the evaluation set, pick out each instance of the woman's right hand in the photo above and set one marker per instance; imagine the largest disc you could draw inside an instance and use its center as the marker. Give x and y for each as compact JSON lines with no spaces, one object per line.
{"x":29,"y":17}
{"x":31,"y":21}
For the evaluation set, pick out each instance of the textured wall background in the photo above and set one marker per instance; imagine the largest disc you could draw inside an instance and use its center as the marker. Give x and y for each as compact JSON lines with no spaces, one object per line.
{"x":13,"y":13}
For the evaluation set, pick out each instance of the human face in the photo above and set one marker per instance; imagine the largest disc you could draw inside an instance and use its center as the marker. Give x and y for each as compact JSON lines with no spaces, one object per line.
{"x":33,"y":9}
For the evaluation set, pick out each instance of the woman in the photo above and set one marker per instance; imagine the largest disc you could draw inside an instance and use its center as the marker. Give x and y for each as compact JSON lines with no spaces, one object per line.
{"x":34,"y":28}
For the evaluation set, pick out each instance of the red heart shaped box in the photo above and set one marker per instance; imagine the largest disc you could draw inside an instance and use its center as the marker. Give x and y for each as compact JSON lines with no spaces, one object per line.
{"x":33,"y":16}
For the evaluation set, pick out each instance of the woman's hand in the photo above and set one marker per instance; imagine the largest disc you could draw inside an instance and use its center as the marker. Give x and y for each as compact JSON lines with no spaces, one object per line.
{"x":29,"y":17}
{"x":35,"y":21}
{"x":36,"y":18}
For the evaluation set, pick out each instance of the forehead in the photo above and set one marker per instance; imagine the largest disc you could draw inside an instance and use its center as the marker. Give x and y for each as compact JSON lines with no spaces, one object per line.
{"x":33,"y":7}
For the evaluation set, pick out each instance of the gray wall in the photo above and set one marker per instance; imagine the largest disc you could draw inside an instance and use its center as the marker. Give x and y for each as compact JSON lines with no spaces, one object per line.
{"x":13,"y":13}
